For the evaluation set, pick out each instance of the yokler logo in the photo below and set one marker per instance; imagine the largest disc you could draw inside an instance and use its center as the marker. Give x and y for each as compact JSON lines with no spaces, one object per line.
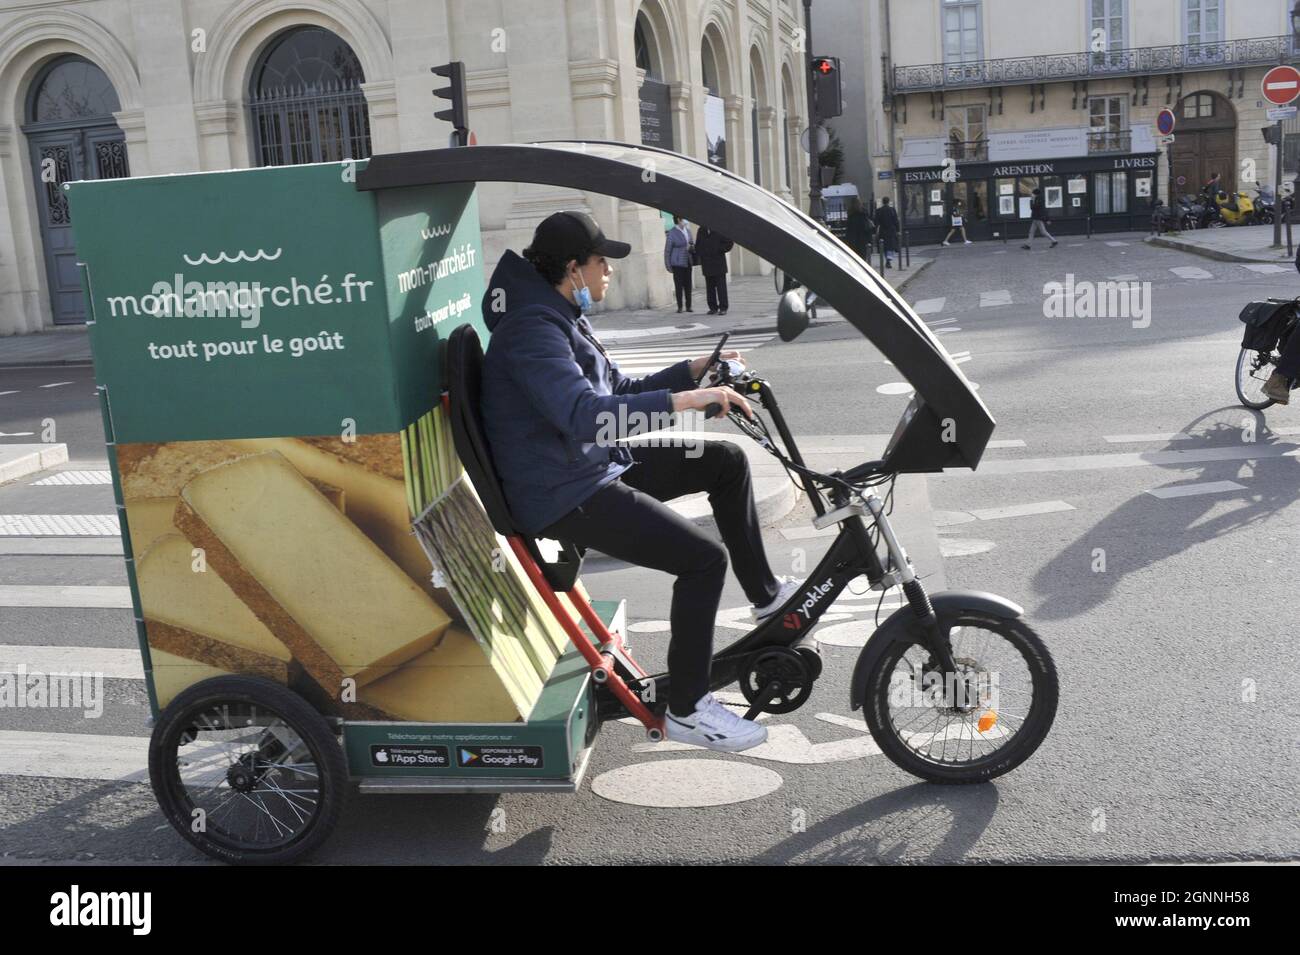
{"x":818,"y":592}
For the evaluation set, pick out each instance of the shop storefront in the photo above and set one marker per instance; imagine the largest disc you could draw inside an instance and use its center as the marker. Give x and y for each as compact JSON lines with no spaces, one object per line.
{"x":1097,"y":193}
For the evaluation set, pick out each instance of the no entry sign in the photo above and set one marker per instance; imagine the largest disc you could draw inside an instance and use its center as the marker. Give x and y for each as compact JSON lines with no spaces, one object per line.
{"x":1281,"y":85}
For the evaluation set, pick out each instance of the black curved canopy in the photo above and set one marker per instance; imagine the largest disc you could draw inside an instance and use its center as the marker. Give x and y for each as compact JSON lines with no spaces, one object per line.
{"x":945,"y":425}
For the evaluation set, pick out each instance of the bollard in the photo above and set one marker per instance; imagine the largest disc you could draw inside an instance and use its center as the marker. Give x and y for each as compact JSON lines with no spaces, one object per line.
{"x":1287,"y":216}
{"x":1089,"y":224}
{"x":907,"y":249}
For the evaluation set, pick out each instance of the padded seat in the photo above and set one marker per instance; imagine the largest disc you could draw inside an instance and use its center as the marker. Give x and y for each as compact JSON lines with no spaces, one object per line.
{"x":463,"y":372}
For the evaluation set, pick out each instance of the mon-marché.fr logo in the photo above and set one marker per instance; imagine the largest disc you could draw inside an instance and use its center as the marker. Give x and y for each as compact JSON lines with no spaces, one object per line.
{"x":76,"y":907}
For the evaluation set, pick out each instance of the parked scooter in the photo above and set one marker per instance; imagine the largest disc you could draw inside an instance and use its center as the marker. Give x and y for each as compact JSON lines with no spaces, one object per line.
{"x":1266,"y":205}
{"x":1196,"y":213}
{"x":1235,"y":208}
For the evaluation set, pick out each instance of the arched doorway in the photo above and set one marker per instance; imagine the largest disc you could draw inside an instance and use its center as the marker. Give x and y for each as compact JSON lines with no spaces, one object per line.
{"x":305,"y":100}
{"x":72,"y":135}
{"x":1206,"y":143}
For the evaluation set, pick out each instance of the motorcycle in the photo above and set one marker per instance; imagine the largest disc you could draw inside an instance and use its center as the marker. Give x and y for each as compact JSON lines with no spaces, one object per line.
{"x":1195,"y":213}
{"x":1235,"y":209}
{"x":1266,"y":208}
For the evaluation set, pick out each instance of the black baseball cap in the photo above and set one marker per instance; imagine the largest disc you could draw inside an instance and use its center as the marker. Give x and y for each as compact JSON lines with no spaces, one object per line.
{"x":568,"y":234}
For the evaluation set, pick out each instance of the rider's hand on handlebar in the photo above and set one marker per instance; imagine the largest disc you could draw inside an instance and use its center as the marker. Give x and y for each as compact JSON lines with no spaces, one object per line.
{"x":701,"y":398}
{"x":697,"y":364}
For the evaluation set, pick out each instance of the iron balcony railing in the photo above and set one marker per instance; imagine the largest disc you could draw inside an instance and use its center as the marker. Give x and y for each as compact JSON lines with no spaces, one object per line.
{"x":1180,"y":57}
{"x":1109,"y":141}
{"x":975,"y":150}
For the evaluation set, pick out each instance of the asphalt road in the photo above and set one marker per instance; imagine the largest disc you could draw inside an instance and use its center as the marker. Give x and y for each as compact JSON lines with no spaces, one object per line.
{"x":1169,"y":617}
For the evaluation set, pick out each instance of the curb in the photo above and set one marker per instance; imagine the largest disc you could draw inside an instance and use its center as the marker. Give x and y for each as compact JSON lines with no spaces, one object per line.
{"x":774,"y":493}
{"x":20,"y":460}
{"x":1206,"y":252}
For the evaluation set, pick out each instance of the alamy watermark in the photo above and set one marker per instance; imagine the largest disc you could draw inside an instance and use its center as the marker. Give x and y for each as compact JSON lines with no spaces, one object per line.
{"x":655,"y":429}
{"x":1111,"y":299}
{"x":21,"y":688}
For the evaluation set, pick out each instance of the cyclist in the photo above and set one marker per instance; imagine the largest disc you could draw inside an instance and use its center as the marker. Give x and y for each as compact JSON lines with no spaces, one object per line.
{"x":1278,"y":386}
{"x":549,"y":392}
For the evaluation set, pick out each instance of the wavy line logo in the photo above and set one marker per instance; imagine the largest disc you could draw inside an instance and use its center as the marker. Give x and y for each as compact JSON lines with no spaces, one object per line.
{"x":435,"y":233}
{"x":261,"y":255}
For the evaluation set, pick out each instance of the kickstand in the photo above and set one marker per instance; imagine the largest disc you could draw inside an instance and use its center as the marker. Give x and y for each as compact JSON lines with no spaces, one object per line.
{"x":765,"y":696}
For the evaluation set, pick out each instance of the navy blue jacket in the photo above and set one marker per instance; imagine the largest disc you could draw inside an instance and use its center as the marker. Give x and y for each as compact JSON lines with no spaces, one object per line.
{"x":549,"y":391}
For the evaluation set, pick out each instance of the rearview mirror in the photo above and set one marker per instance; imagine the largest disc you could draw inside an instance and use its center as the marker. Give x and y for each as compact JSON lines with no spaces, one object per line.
{"x":791,"y":315}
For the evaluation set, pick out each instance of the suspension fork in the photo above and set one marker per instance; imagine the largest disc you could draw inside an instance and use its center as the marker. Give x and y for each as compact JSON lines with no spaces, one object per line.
{"x":917,"y":598}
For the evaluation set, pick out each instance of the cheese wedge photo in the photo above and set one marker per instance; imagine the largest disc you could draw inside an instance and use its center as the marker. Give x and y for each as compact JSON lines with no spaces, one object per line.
{"x":195,"y":614}
{"x":452,"y":683}
{"x":320,"y":585}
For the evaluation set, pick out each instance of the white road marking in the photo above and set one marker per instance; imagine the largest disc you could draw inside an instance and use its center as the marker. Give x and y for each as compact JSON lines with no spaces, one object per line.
{"x":72,"y":546}
{"x":963,"y":547}
{"x":75,"y":477}
{"x":59,"y":525}
{"x":1265,"y":267}
{"x":1020,"y":510}
{"x":1190,"y":272}
{"x":623,"y":334}
{"x":686,"y":783}
{"x":1122,"y":278}
{"x":929,"y":306}
{"x":1006,"y":443}
{"x":31,"y":595}
{"x":946,"y":331}
{"x":1141,"y":438}
{"x":786,"y":743}
{"x":941,"y":321}
{"x":962,"y":360}
{"x":112,"y":664}
{"x":895,"y":388}
{"x":648,"y":626}
{"x":848,"y":722}
{"x":1135,"y":459}
{"x":1116,"y":242}
{"x":1192,"y":490}
{"x":17,"y":434}
{"x":3,"y":393}
{"x":994,"y":298}
{"x":57,"y":384}
{"x":75,"y":756}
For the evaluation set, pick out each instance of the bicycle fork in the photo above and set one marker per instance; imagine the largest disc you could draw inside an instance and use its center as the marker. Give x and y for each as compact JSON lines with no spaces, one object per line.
{"x":917,"y":598}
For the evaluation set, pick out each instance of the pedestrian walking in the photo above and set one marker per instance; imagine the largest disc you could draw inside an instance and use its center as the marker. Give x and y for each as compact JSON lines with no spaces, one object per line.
{"x":1038,"y":220}
{"x":712,"y":248}
{"x":958,"y":224}
{"x":859,"y":229}
{"x":887,"y":223}
{"x":677,"y":260}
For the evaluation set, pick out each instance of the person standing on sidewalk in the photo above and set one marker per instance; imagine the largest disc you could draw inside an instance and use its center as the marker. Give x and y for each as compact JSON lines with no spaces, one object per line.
{"x":550,"y":391}
{"x":887,"y":223}
{"x":859,"y":229}
{"x":677,"y":260}
{"x":1038,"y":220}
{"x":712,"y":249}
{"x":958,"y":223}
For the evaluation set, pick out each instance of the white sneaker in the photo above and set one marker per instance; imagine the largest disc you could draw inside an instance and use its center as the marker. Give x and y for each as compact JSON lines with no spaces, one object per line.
{"x":713,"y":726}
{"x":788,"y":586}
{"x":943,"y":243}
{"x":968,"y":242}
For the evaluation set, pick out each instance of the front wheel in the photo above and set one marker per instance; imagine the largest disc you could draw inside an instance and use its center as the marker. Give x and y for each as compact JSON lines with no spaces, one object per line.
{"x":1253,"y":370}
{"x":973,"y":725}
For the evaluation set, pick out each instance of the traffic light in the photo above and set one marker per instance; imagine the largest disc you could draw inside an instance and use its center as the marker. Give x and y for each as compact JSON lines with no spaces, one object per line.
{"x":1271,"y":135}
{"x":826,"y":82}
{"x":457,"y":115}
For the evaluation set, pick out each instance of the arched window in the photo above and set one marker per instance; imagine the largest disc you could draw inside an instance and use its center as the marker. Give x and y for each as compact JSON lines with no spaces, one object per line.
{"x":73,"y":90}
{"x":305,"y":100}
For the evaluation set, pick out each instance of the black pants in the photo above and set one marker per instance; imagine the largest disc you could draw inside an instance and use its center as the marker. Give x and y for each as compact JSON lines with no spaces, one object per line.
{"x":682,"y":284}
{"x":1288,"y":362}
{"x":715,"y":289}
{"x":628,"y":520}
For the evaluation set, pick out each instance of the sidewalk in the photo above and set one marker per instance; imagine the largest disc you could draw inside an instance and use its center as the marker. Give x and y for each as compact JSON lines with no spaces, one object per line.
{"x":69,"y":345}
{"x":1249,"y":243}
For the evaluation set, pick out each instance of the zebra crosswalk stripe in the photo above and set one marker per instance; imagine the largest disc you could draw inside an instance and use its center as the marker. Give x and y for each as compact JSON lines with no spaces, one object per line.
{"x":650,"y":358}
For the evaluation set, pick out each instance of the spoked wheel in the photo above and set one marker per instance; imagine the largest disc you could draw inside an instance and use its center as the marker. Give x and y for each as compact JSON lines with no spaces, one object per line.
{"x":975,"y":725}
{"x":247,"y":770}
{"x":1253,"y":370}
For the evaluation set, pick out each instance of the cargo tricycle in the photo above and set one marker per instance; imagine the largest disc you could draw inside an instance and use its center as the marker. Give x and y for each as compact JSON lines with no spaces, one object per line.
{"x":329,"y":588}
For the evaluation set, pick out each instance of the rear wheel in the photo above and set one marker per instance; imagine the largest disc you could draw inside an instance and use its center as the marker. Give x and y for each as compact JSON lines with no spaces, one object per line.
{"x":971,"y":726}
{"x":247,"y":771}
{"x":1253,"y":369}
